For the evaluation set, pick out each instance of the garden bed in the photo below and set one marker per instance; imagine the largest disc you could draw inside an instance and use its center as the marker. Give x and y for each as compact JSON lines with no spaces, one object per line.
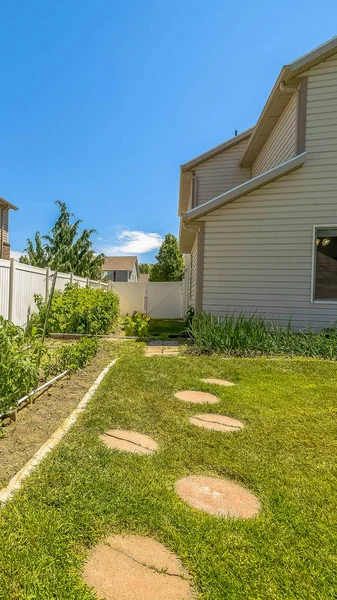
{"x":38,"y":421}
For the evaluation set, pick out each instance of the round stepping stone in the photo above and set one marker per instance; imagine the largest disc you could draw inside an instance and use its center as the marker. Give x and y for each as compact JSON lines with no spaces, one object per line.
{"x":136,"y":568}
{"x":216,"y":422}
{"x":129,"y":441}
{"x":218,"y":382}
{"x":219,"y":497}
{"x":196,"y":397}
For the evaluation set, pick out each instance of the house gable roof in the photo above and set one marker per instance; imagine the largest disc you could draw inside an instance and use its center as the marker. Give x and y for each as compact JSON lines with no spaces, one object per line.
{"x":286,"y":83}
{"x":5,"y":204}
{"x":120,"y":263}
{"x":245,"y":188}
{"x":187,"y":168}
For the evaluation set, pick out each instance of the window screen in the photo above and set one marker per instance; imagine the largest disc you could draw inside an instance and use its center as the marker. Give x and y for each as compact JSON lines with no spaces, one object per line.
{"x":326,"y":264}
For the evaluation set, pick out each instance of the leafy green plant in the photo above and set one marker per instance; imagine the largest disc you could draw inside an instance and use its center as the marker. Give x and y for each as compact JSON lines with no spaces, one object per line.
{"x":244,"y":336}
{"x":79,"y":310}
{"x":138,"y":324}
{"x":24,"y":362}
{"x":19,"y":370}
{"x":76,"y":356}
{"x":189,"y":316}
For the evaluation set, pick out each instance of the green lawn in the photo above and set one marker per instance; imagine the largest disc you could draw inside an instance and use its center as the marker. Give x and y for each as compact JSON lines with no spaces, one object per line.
{"x":166,"y":327}
{"x":286,"y":455}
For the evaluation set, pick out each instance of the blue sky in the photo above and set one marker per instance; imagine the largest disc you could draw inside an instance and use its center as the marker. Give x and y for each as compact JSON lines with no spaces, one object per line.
{"x":102,"y":101}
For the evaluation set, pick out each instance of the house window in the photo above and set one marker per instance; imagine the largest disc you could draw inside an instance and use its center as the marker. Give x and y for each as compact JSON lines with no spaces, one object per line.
{"x":325,"y":282}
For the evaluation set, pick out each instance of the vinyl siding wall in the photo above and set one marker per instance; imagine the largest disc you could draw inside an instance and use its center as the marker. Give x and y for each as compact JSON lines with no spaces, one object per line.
{"x":281,"y":144}
{"x":4,"y":224}
{"x":194,"y":260}
{"x":221,"y":173}
{"x":258,"y":249}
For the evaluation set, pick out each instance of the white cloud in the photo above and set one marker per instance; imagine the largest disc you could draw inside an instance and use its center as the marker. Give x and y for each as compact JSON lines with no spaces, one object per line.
{"x":16,"y":254}
{"x":133,"y":242}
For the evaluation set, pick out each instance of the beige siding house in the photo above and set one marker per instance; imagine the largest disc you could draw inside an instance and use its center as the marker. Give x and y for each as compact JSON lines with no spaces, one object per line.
{"x":121,"y":268}
{"x":259,"y":213}
{"x":5,"y":207}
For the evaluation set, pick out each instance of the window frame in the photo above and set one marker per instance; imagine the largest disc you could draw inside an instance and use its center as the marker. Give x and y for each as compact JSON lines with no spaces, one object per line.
{"x":313,"y":264}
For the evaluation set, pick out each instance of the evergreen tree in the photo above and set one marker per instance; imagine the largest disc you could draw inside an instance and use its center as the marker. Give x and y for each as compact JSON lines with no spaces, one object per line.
{"x":170,"y":262}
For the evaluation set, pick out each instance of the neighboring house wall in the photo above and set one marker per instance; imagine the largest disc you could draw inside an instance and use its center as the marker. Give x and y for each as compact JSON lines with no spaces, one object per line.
{"x":258,"y":250}
{"x":4,"y":245}
{"x":221,"y":173}
{"x":122,"y":276}
{"x":117,"y":275}
{"x":133,"y":274}
{"x":281,"y":144}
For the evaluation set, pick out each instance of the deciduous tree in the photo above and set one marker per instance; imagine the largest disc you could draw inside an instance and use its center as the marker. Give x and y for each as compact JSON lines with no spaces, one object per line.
{"x":170,"y":262}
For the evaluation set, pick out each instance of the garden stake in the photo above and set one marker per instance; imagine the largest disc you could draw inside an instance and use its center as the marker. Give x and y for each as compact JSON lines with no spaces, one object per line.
{"x":48,"y":308}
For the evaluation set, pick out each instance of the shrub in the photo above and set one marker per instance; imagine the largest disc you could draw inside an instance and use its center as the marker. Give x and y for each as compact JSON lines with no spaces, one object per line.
{"x":244,"y":336}
{"x":79,"y":310}
{"x":138,"y":324}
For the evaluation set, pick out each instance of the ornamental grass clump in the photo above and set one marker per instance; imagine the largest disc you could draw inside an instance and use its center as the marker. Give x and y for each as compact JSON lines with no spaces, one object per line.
{"x":79,"y":310}
{"x":243,"y":335}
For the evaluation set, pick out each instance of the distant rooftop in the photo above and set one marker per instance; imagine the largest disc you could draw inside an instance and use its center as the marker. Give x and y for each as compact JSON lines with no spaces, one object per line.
{"x":119,"y":263}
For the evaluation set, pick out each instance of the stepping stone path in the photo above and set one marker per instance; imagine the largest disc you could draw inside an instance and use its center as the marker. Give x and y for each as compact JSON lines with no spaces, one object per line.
{"x":218,"y":382}
{"x":159,"y":348}
{"x":219,"y":497}
{"x":129,"y":441}
{"x":135,"y":568}
{"x":196,"y":397}
{"x":216,"y":422}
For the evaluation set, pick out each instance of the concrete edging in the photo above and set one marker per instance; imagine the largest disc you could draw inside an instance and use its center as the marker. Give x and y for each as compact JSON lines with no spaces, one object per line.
{"x":15,"y":483}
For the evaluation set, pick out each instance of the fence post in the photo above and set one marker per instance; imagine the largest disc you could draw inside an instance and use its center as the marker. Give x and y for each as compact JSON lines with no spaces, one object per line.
{"x":11,"y":289}
{"x":71,"y":278}
{"x":47,"y":284}
{"x":88,"y":281}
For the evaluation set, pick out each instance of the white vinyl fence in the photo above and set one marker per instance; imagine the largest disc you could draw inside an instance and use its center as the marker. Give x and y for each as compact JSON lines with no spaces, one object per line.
{"x":158,"y":300}
{"x":19,"y":283}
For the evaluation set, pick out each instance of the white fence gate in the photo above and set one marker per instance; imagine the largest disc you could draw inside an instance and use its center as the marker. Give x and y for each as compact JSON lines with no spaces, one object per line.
{"x":19,"y":283}
{"x":162,"y":300}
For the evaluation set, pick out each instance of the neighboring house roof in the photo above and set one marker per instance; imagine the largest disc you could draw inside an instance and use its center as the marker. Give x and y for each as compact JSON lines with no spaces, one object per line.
{"x":5,"y":204}
{"x":284,"y":87}
{"x":120,"y":263}
{"x":246,"y":187}
{"x":144,"y":277}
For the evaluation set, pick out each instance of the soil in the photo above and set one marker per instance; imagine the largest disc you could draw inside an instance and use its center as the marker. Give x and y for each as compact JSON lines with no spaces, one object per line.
{"x":36,"y":423}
